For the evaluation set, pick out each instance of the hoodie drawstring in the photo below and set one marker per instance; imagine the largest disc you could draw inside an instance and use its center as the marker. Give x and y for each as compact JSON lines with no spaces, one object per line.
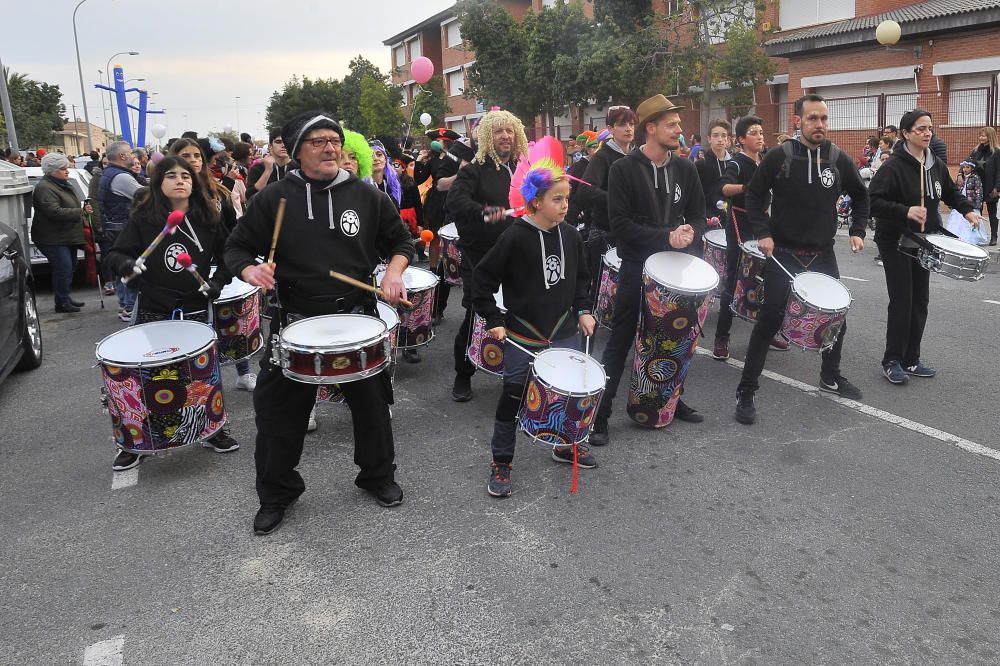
{"x":329,"y":208}
{"x":309,"y":201}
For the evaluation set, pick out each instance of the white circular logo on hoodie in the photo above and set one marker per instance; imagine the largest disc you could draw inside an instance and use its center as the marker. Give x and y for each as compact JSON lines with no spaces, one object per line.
{"x":937,"y":188}
{"x":553,"y":269}
{"x":677,"y":192}
{"x":350,"y":223}
{"x":170,"y":257}
{"x":827,"y":178}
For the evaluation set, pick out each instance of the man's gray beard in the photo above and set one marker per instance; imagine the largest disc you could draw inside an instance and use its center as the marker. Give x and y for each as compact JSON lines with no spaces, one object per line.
{"x":504,"y":155}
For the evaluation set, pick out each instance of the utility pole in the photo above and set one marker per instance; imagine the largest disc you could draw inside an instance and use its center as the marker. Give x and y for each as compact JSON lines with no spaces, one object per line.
{"x":76,"y":128}
{"x":7,"y":114}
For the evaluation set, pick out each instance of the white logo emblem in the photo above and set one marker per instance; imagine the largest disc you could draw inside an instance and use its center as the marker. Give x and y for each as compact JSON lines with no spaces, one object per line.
{"x":170,"y":257}
{"x":677,"y":193}
{"x":937,"y":188}
{"x":553,"y":269}
{"x":350,"y":223}
{"x":827,"y":177}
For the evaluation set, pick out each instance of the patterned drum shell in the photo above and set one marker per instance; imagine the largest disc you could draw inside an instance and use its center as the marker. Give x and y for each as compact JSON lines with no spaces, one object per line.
{"x":451,"y":256}
{"x":604,"y":306}
{"x":816,"y":311}
{"x":415,"y":327}
{"x":747,"y":290}
{"x":561,"y":397}
{"x":236,"y":319}
{"x":484,"y":351}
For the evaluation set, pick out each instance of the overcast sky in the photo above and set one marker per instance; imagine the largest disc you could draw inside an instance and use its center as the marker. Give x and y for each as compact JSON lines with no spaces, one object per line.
{"x":200,"y":54}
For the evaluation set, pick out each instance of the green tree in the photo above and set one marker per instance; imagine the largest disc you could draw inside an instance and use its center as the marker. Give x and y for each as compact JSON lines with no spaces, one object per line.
{"x":433,"y":101}
{"x":550,"y":71}
{"x":501,"y":47}
{"x":379,"y":108}
{"x":617,"y":66}
{"x":350,"y":93}
{"x":298,"y":95}
{"x":624,"y":14}
{"x":37,"y":109}
{"x":743,"y":65}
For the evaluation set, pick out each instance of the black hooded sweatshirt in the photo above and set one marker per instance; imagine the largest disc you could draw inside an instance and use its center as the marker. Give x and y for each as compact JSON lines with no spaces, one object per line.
{"x":646,"y":202}
{"x":344,"y":225}
{"x":896,"y":187}
{"x":477,"y":186}
{"x":595,"y":197}
{"x":544,"y":278}
{"x":711,"y":171}
{"x":804,"y":209}
{"x":165,"y":285}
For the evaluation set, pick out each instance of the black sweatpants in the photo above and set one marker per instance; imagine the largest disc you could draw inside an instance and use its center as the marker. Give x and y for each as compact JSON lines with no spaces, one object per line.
{"x":624,"y":319}
{"x":991,"y":210}
{"x":776,"y":287}
{"x":463,"y":366}
{"x":733,"y":252}
{"x":282,"y":409}
{"x":908,"y":284}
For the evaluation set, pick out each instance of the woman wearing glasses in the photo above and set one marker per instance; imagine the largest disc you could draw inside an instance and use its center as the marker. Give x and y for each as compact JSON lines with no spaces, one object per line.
{"x":905,"y":194}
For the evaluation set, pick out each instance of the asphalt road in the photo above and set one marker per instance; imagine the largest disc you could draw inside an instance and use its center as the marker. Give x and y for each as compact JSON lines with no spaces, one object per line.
{"x":821,"y":535}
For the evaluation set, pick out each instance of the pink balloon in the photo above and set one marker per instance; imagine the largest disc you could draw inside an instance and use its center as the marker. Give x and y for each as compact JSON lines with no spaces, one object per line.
{"x":422,"y":70}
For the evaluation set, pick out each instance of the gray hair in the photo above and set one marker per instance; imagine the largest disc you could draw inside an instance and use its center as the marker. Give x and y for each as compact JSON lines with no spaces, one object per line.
{"x":53,"y":162}
{"x":117,"y":148}
{"x":139,"y":153}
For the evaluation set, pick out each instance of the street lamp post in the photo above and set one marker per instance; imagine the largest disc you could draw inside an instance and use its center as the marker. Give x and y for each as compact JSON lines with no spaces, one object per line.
{"x":237,"y":115}
{"x":79,"y":69}
{"x":111,"y":98}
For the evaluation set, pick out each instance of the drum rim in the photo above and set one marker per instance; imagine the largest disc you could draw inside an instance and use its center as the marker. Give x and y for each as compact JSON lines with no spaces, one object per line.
{"x":238,"y":297}
{"x":676,"y":288}
{"x":445,"y":234}
{"x":607,"y":262}
{"x":850,"y":294}
{"x":159,"y":362}
{"x":755,"y":252}
{"x":307,"y":349}
{"x":933,"y":239}
{"x":713,"y":233}
{"x":574,"y":394}
{"x":379,"y":274}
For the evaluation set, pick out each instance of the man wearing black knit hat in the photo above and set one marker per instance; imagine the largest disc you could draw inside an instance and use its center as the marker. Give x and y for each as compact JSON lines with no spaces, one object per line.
{"x":332,"y":221}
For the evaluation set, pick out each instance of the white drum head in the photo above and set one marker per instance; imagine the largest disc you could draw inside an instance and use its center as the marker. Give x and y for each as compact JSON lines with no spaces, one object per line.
{"x":449,"y":231}
{"x":340,"y":331}
{"x":682,"y":272}
{"x":821,"y":290}
{"x":235,"y":289}
{"x":750,"y":247}
{"x":388,"y":314}
{"x":569,"y":370}
{"x":415,"y":279}
{"x":157,"y":342}
{"x":612,"y":259}
{"x":717,"y":237}
{"x":956,"y":246}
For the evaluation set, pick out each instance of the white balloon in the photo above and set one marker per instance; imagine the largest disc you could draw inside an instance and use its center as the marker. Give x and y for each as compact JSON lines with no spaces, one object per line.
{"x":158,"y":130}
{"x":425,"y":119}
{"x":228,"y":129}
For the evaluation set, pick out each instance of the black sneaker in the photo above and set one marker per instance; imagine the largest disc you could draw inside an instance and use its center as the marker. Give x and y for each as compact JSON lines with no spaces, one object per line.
{"x":66,"y":308}
{"x":268,"y":519}
{"x":126,"y":460}
{"x":388,"y":494}
{"x":461,"y":391}
{"x":74,"y":302}
{"x":689,"y":414}
{"x":411,"y":356}
{"x":893,"y":371}
{"x":599,"y":435}
{"x":584,"y":458}
{"x":841,"y":387}
{"x":878,"y":260}
{"x":222,"y":442}
{"x":920,"y":370}
{"x":746,"y":411}
{"x":436,"y":319}
{"x":499,"y":484}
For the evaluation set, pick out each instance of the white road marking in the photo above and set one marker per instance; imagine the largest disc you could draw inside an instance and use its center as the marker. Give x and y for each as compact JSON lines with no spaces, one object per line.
{"x":986,"y":300}
{"x":848,"y":277}
{"x":125,"y":479}
{"x":882,"y":415}
{"x":105,"y":653}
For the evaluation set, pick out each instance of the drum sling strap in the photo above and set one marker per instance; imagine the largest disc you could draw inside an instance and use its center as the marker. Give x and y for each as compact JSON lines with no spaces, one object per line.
{"x":541,"y":340}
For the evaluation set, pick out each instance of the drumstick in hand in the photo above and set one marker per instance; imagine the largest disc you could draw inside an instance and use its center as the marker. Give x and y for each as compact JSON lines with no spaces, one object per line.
{"x":367,"y":287}
{"x":184,"y":259}
{"x":279,"y":216}
{"x":922,"y":176}
{"x":173,"y":220}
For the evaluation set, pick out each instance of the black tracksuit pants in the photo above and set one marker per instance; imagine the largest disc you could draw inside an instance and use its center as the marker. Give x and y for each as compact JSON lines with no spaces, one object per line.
{"x":908,"y":284}
{"x":463,"y":366}
{"x":282,"y":409}
{"x":777,"y":286}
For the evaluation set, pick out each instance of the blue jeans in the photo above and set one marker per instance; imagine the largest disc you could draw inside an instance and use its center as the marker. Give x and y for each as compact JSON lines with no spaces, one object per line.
{"x":62,"y":262}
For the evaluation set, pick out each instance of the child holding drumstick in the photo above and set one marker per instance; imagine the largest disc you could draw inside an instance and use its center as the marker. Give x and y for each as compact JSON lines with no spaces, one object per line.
{"x":539,"y":262}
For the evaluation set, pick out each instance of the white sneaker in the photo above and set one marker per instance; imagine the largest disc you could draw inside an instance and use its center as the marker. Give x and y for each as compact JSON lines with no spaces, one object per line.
{"x":312,"y":425}
{"x":247,"y":382}
{"x":125,"y":315}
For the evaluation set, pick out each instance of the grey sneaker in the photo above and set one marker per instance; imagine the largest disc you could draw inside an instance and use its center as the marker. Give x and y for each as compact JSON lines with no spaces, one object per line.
{"x":584,"y":458}
{"x":499,"y":484}
{"x":893,"y":371}
{"x":920,"y":370}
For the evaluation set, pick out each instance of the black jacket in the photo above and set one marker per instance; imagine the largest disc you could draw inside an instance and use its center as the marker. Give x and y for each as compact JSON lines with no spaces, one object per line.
{"x":165,"y":285}
{"x":478,"y":186}
{"x":739,"y":171}
{"x":578,"y":214}
{"x":803,"y":199}
{"x":543,"y":299}
{"x":988,"y":167}
{"x":896,"y":187}
{"x":644,"y":207}
{"x":711,"y":171}
{"x":344,"y":225}
{"x":277,"y":173}
{"x":595,"y":197}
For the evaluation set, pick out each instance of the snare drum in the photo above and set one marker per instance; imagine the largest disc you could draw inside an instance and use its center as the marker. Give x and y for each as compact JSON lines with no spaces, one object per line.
{"x":236,"y":318}
{"x":954,"y":258}
{"x":677,"y":293}
{"x":561,"y":397}
{"x":415,"y":328}
{"x":451,"y":256}
{"x":331,"y":393}
{"x":605,"y":305}
{"x":715,"y":252}
{"x":162,"y":385}
{"x":485,"y":351}
{"x":332,"y":349}
{"x":749,"y":282}
{"x":816,"y":311}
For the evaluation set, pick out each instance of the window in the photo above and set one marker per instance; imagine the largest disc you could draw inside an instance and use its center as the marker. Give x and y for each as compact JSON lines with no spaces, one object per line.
{"x":674,"y":7}
{"x":797,"y":13}
{"x":457,"y":125}
{"x":781,"y":98}
{"x":399,"y":55}
{"x":718,"y":20}
{"x":967,"y":98}
{"x":456,"y":83}
{"x":414,"y":49}
{"x":453,"y":35}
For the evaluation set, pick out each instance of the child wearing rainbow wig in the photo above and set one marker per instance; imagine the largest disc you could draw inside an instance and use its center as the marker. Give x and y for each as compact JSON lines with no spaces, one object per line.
{"x":539,"y":265}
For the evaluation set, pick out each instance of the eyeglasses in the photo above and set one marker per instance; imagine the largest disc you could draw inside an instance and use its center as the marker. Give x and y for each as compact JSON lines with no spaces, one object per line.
{"x":320,"y":142}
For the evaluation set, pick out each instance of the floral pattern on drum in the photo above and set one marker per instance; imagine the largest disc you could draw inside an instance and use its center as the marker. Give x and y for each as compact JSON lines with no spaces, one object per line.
{"x":748,"y":289}
{"x":237,"y":322}
{"x":606,"y":296}
{"x":415,"y":327}
{"x":552,"y":417}
{"x":485,"y":351}
{"x":451,"y":257}
{"x":809,"y":328}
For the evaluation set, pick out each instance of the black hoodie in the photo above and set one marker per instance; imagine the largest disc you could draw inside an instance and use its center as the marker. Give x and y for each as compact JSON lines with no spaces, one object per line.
{"x":804,"y":200}
{"x":344,"y":225}
{"x":711,"y":171}
{"x":544,"y":278}
{"x":896,"y":187}
{"x":595,"y":197}
{"x":477,"y":186}
{"x":164,"y":285}
{"x":646,"y":202}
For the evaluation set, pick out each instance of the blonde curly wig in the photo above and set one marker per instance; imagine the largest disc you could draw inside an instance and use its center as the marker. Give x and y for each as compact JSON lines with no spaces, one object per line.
{"x":484,"y":136}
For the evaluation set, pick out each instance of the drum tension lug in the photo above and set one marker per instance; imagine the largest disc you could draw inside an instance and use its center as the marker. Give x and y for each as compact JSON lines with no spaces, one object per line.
{"x":318,"y":363}
{"x":363,"y":358}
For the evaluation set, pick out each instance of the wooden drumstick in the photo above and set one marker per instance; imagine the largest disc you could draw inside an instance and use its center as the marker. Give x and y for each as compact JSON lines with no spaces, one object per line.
{"x":279,"y":216}
{"x":367,"y":287}
{"x":922,"y":194}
